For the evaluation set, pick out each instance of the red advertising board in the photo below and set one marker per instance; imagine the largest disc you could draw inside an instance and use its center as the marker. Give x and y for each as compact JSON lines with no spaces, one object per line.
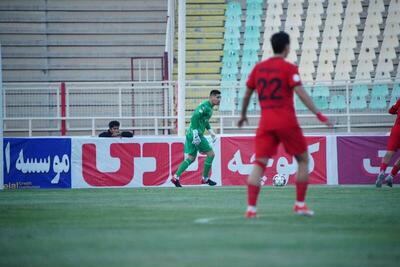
{"x":237,"y":155}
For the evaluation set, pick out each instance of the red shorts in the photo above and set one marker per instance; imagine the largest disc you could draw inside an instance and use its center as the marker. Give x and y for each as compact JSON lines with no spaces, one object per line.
{"x":394,"y":139}
{"x":267,"y":141}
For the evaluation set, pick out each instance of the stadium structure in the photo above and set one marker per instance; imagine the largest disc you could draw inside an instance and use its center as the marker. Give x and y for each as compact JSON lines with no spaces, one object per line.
{"x":69,"y":67}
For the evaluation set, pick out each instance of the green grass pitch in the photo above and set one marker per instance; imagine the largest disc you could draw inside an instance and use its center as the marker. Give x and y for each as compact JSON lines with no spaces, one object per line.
{"x":199,"y":226}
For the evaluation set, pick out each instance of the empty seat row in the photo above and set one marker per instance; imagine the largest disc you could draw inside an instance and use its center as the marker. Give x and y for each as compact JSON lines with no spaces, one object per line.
{"x":359,"y":96}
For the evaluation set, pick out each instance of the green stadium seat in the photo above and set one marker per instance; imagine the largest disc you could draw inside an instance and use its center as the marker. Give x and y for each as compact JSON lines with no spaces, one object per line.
{"x":228,"y":91}
{"x":250,"y":56}
{"x":243,"y":77}
{"x":251,"y":11}
{"x":230,"y":56}
{"x":358,"y":97}
{"x":338,"y":102}
{"x":231,"y":44}
{"x":320,"y":97}
{"x":299,"y":106}
{"x":228,"y":77}
{"x":232,"y":33}
{"x":241,"y":92}
{"x":229,"y":69}
{"x":378,"y":96}
{"x":234,"y":8}
{"x":229,"y":64}
{"x":252,"y":33}
{"x":253,"y":104}
{"x":360,"y":90}
{"x":253,"y":20}
{"x":380,"y":89}
{"x":247,"y":66}
{"x":228,"y":95}
{"x":255,"y":2}
{"x":395,"y":94}
{"x":251,"y":44}
{"x":233,"y":21}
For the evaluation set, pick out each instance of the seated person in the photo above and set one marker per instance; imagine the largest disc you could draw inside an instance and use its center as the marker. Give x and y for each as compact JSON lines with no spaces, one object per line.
{"x":126,"y":134}
{"x":113,"y":131}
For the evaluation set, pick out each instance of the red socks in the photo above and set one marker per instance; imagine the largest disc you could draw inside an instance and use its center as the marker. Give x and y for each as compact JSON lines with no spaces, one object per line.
{"x":395,"y":170}
{"x":252,"y":194}
{"x":383,"y":167}
{"x":301,"y":189}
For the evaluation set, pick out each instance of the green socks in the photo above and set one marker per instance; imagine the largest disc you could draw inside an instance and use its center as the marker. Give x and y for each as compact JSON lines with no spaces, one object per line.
{"x":207,"y":166}
{"x":184,"y":165}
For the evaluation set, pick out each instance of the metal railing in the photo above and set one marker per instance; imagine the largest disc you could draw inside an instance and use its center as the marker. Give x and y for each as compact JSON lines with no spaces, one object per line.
{"x":149,"y":108}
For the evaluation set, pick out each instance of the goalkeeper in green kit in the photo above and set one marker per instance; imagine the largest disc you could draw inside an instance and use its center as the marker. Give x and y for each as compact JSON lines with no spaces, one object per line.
{"x":195,"y":140}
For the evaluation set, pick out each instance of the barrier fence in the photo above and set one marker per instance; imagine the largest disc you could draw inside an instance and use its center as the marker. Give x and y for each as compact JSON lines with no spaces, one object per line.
{"x":149,"y":108}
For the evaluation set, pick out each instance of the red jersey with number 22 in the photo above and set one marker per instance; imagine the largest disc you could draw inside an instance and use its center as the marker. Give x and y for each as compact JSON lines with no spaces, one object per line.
{"x":274,"y":80}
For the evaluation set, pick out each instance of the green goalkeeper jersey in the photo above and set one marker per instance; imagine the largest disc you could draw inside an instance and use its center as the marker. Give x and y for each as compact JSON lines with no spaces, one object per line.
{"x":200,"y":118}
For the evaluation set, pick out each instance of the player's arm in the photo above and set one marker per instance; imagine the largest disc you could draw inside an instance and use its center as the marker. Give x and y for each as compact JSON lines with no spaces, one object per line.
{"x":245,"y":105}
{"x":306,"y":99}
{"x":211,"y":132}
{"x":393,"y":110}
{"x":195,"y":125}
{"x":195,"y":120}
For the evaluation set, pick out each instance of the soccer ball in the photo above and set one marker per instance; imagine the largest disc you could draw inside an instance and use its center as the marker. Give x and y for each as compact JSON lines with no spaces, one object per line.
{"x":279,"y":180}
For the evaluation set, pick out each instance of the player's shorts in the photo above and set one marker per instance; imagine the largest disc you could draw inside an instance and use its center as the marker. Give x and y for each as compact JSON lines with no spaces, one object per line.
{"x":267,"y":141}
{"x":191,"y":149}
{"x":394,"y":139}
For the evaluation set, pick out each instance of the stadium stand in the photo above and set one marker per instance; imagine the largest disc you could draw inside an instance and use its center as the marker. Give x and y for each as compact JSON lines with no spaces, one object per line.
{"x":340,"y":45}
{"x":78,"y":40}
{"x":332,"y":41}
{"x":204,"y":38}
{"x":231,"y":55}
{"x":204,"y":46}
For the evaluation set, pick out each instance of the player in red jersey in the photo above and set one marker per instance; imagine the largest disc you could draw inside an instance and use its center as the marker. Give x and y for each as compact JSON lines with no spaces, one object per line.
{"x":275,"y":80}
{"x":392,"y":146}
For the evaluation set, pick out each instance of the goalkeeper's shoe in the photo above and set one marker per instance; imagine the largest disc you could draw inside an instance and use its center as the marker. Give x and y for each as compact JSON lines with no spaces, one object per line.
{"x":208,"y":181}
{"x":176,"y":182}
{"x":250,"y":214}
{"x":389,"y":180}
{"x":302,"y":210}
{"x":379,"y":179}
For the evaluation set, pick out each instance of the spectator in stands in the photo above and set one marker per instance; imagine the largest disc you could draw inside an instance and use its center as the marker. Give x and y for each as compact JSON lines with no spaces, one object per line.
{"x":113,"y":131}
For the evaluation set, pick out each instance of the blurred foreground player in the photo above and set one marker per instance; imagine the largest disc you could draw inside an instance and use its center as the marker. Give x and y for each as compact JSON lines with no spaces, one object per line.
{"x":392,"y":146}
{"x":195,"y":140}
{"x":275,"y":80}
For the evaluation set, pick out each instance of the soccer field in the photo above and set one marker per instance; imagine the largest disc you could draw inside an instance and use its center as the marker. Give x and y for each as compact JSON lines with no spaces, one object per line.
{"x":199,"y":226}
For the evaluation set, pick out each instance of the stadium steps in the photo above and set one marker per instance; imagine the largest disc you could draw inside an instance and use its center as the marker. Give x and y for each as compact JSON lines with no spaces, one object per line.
{"x":204,"y":43}
{"x":200,"y":56}
{"x":88,"y":40}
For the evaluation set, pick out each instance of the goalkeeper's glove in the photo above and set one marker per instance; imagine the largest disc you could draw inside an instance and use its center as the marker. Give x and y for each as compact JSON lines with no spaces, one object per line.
{"x":196,"y":138}
{"x":213,"y":135}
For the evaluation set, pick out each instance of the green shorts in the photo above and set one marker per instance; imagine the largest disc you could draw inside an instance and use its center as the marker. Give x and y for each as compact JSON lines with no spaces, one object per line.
{"x":191,"y":149}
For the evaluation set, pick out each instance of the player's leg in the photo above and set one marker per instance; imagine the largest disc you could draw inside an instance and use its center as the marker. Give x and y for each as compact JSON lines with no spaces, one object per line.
{"x":384,"y":164}
{"x":205,"y":147}
{"x":207,"y":167}
{"x":191,"y":151}
{"x":300,"y":206}
{"x":266,"y":145}
{"x":295,"y":144}
{"x":395,"y":170}
{"x":392,"y":145}
{"x":254,"y":185}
